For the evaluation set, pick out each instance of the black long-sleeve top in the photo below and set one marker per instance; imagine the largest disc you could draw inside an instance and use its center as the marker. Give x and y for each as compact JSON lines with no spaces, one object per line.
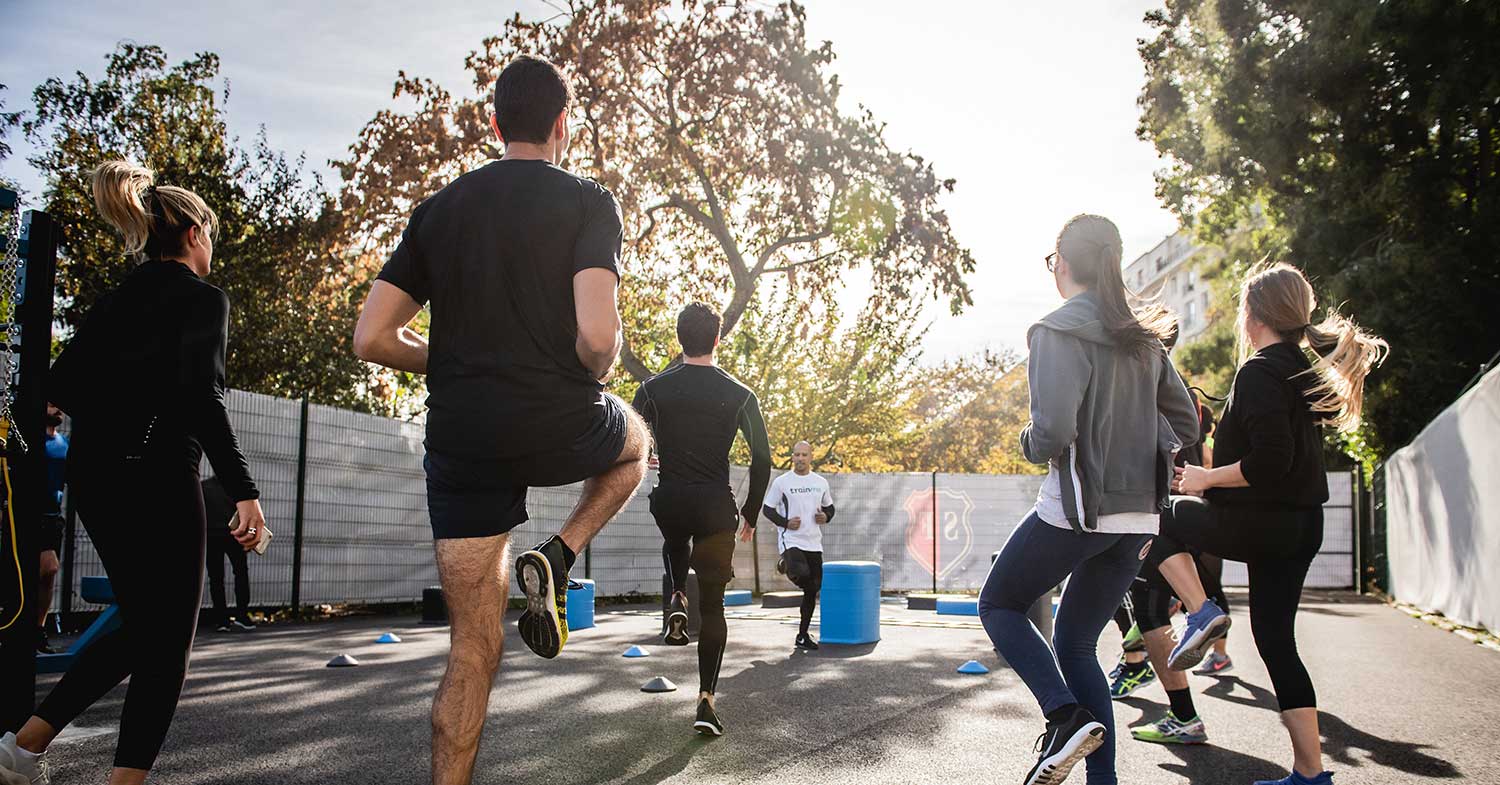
{"x":694,"y":412}
{"x":1268,"y":426}
{"x":145,"y":374}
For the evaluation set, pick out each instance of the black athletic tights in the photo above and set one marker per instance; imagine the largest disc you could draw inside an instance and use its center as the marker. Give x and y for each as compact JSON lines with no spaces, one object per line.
{"x":145,"y":518}
{"x":1278,"y":545}
{"x":712,"y":557}
{"x":805,"y":568}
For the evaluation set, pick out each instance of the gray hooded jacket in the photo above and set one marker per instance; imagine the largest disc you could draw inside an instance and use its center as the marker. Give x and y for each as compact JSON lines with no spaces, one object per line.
{"x":1106,"y":421}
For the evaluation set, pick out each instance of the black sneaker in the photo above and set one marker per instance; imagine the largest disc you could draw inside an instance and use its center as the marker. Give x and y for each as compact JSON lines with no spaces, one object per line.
{"x":1062,"y":745}
{"x":805,"y":641}
{"x":242,"y":624}
{"x":543,"y":575}
{"x":677,"y":621}
{"x":707,"y":722}
{"x":43,"y":646}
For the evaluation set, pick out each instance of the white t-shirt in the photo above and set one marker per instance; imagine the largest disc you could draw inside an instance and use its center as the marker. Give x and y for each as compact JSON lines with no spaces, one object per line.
{"x":799,"y":496}
{"x":1049,"y":508}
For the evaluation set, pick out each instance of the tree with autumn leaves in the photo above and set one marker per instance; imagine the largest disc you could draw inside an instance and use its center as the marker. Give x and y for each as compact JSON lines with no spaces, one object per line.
{"x":717,"y":126}
{"x":742,"y":182}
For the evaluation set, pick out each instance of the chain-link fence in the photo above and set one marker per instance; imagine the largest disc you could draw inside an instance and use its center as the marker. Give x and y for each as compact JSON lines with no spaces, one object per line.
{"x":363,"y":537}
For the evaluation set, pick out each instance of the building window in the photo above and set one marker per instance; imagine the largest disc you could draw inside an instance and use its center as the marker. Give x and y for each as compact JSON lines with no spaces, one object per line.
{"x":1192,"y":280}
{"x":1192,"y":314}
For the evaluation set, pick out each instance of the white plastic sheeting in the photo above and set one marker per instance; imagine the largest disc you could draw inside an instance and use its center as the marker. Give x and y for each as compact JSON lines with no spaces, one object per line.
{"x":1443,"y":511}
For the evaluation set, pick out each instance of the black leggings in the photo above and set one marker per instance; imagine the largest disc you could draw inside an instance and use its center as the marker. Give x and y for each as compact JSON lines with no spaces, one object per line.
{"x":805,"y":568}
{"x":1278,"y":545}
{"x":1151,"y":597}
{"x":220,"y":547}
{"x":145,"y":519}
{"x":694,"y":534}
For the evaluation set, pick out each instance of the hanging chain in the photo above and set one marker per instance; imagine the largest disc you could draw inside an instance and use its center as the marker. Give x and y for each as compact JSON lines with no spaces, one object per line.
{"x":10,"y":295}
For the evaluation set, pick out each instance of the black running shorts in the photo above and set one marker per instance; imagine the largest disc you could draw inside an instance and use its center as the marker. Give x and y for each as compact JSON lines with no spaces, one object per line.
{"x":478,"y":498}
{"x":707,"y":516}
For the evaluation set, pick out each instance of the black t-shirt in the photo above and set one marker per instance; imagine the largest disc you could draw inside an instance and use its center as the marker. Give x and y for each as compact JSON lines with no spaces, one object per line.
{"x":1269,"y":428}
{"x":694,"y":412}
{"x":495,"y":253}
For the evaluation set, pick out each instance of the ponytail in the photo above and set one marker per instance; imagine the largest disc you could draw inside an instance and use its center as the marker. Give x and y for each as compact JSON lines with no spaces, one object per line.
{"x":1091,"y":246}
{"x":150,"y":218}
{"x":1346,"y":354}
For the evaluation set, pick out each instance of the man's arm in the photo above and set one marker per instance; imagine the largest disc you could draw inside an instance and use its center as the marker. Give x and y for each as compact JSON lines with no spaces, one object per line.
{"x":382,"y":337}
{"x":825,"y":507}
{"x":754,"y":429}
{"x":594,"y":301}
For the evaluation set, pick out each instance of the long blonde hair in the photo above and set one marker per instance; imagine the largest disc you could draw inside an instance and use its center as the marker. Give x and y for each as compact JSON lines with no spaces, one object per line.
{"x":150,"y":217}
{"x":1279,"y":297}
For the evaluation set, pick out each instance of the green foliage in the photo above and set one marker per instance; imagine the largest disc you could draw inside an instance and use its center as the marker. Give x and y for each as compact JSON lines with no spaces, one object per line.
{"x":294,"y":295}
{"x":1367,"y":133}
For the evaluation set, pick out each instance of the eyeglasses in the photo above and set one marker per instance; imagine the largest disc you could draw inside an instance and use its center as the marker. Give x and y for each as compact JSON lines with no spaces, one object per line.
{"x":1051,"y":260}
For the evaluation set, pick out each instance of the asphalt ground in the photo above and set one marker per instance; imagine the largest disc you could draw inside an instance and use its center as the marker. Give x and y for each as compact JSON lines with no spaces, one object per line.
{"x":1402,"y":702}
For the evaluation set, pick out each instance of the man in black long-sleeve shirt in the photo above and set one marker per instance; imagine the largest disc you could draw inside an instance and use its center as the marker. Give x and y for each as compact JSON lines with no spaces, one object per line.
{"x":694,"y":410}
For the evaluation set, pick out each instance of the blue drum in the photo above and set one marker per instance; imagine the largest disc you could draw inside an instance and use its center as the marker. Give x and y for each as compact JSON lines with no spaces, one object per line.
{"x":850,"y":605}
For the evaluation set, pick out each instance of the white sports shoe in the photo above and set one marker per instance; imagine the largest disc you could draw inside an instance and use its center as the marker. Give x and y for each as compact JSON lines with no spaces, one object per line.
{"x":19,"y":767}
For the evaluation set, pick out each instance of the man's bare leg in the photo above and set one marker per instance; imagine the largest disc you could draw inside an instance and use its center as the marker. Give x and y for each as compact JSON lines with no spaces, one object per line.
{"x":474,"y":574}
{"x":1159,"y":649}
{"x":605,"y":495}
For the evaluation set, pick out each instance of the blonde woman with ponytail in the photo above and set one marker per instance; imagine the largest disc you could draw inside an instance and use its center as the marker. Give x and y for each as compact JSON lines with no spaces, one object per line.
{"x":143,"y":380}
{"x":1262,"y":503}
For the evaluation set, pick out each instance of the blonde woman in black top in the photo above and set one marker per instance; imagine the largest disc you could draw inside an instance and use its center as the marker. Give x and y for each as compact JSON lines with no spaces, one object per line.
{"x":1262,"y":503}
{"x":143,"y":380}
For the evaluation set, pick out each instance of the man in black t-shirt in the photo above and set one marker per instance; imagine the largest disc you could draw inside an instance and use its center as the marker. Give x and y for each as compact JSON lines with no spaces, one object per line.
{"x":519,"y":261}
{"x":694,"y":410}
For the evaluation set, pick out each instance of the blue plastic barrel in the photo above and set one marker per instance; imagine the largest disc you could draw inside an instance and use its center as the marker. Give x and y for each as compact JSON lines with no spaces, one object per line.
{"x":737,"y":597}
{"x":581,"y":606}
{"x":850,"y":603}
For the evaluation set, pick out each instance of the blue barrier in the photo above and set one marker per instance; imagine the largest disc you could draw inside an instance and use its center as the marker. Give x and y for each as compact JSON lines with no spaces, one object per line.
{"x":850,"y":602}
{"x":958,"y":606}
{"x":95,"y":589}
{"x":581,"y":605}
{"x":737,"y":597}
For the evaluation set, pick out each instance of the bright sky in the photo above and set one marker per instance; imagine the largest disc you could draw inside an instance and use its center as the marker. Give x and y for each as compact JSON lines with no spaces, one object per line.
{"x":1031,"y":106}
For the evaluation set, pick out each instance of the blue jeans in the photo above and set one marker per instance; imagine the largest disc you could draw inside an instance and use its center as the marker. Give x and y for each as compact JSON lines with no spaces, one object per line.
{"x":1035,"y":559}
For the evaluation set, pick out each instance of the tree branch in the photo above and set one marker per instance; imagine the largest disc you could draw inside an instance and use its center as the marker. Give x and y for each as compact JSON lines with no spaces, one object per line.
{"x":633,"y":364}
{"x":805,"y":262}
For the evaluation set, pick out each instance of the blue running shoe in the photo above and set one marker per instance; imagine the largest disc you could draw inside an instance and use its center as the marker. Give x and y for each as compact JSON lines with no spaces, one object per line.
{"x":1326,"y":778}
{"x":1203,"y":628}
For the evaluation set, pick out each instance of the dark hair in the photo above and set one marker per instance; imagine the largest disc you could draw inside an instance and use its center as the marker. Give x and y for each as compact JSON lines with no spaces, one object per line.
{"x":1091,"y":246}
{"x":697,"y":329}
{"x":529,"y":95}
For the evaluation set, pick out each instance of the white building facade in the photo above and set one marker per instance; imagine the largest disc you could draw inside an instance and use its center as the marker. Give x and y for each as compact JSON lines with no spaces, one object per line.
{"x":1169,"y":273}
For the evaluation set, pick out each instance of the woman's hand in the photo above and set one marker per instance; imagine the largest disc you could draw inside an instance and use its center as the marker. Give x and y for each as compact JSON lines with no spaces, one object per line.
{"x":1192,"y":480}
{"x":252,"y":523}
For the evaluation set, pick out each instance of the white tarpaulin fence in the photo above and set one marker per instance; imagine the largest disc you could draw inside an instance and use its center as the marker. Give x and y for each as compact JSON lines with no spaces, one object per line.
{"x":1442,"y":496}
{"x":365,"y":536}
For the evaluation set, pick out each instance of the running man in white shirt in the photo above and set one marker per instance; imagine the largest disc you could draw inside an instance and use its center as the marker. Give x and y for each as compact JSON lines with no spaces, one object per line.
{"x":800,"y":505}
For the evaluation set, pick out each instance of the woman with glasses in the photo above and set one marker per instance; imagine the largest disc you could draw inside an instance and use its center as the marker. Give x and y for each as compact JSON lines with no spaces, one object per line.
{"x":1107,"y":413}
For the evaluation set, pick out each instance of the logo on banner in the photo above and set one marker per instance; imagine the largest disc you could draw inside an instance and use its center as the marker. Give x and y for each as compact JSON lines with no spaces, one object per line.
{"x":954,"y":537}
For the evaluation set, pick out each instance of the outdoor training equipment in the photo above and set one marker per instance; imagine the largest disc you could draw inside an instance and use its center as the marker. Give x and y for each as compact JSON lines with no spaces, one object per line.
{"x":659,"y":684}
{"x":850,"y":611}
{"x":974,"y":667}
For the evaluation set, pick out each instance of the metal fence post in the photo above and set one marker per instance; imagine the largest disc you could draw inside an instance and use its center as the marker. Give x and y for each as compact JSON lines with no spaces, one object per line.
{"x":1359,"y":533}
{"x":934,"y":533}
{"x":301,"y":504}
